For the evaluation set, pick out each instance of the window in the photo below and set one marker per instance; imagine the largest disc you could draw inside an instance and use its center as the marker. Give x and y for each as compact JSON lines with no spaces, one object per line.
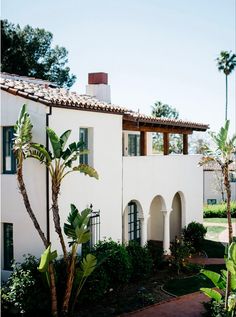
{"x":9,"y":161}
{"x":133,"y":144}
{"x":134,"y":223}
{"x":211,"y":201}
{"x":232,"y":177}
{"x":7,"y":246}
{"x":83,"y":135}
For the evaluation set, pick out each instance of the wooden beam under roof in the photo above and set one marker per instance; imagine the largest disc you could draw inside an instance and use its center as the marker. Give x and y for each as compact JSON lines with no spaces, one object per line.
{"x":133,"y":126}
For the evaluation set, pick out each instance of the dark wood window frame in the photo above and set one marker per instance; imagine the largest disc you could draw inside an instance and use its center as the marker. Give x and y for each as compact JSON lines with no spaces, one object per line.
{"x":134,"y":223}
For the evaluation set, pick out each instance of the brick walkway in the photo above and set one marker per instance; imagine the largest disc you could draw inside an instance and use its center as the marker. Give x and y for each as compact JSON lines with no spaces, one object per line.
{"x":183,"y":306}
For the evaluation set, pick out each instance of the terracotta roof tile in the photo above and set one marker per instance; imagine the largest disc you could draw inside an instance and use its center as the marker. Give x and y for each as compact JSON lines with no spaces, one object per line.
{"x":47,"y":93}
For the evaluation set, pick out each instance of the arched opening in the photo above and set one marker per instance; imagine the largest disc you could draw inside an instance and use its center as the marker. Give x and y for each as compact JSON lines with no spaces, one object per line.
{"x":176,"y":217}
{"x":156,"y":220}
{"x":133,"y":222}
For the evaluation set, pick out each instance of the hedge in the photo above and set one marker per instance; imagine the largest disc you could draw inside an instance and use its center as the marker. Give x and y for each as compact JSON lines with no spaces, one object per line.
{"x":218,"y":210}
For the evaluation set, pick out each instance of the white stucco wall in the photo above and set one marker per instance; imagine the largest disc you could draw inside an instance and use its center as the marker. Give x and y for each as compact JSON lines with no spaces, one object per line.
{"x":212,"y":188}
{"x":164,"y":176}
{"x":13,"y":211}
{"x":105,"y":193}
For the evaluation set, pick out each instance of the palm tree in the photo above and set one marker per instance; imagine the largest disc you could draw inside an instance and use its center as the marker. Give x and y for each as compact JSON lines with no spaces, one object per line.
{"x":21,"y":148}
{"x":226,"y":62}
{"x":59,"y":164}
{"x":223,"y":156}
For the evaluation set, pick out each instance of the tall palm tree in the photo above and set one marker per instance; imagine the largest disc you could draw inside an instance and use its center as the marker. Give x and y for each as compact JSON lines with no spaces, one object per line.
{"x":226,"y":62}
{"x":223,"y":156}
{"x":60,"y":163}
{"x":21,"y":148}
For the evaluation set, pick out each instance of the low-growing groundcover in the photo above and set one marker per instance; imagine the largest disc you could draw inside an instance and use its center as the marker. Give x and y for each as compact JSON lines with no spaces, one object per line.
{"x":186,"y":285}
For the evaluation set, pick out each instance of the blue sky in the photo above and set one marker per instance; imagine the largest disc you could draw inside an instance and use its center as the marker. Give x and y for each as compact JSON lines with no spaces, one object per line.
{"x":152,"y":50}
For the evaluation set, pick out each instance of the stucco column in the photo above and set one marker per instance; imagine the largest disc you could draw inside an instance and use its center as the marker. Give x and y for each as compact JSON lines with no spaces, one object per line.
{"x":166,"y":240}
{"x":143,"y":231}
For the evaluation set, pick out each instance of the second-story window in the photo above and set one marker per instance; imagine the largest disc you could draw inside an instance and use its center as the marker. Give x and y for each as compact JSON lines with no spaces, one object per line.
{"x":133,"y":144}
{"x":9,"y":161}
{"x":83,"y":136}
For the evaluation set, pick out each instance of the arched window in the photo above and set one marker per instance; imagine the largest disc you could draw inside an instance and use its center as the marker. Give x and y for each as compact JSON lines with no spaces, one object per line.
{"x":134,"y":223}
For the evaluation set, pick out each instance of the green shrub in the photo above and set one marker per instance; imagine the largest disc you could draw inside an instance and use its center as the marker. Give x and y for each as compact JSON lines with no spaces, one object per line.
{"x":25,"y":292}
{"x":156,"y":251}
{"x":219,"y":210}
{"x":194,"y":235}
{"x":141,"y":260}
{"x":180,"y":250}
{"x":215,"y":309}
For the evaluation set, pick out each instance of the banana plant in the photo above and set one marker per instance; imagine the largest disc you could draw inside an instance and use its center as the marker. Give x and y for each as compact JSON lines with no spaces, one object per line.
{"x":21,"y":149}
{"x":61,"y":162}
{"x":77,"y":229}
{"x":222,"y":155}
{"x":220,"y":281}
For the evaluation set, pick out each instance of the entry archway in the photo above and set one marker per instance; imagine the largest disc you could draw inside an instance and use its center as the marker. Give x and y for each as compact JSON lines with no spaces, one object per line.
{"x":156,"y":219}
{"x":176,"y":217}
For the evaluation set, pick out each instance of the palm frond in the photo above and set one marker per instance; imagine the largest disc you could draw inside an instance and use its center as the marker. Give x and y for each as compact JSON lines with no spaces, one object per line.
{"x":22,"y":132}
{"x":64,"y":138}
{"x":55,"y":142}
{"x":87,"y":170}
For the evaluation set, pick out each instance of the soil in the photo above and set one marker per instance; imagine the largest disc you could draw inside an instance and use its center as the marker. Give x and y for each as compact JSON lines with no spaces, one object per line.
{"x":132,"y":297}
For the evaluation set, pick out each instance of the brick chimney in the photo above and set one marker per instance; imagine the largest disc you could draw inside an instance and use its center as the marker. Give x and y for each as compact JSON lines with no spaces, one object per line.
{"x":98,"y":86}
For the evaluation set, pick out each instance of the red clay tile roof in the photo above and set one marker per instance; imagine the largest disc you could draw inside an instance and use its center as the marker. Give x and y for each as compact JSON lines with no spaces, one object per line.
{"x":47,"y":93}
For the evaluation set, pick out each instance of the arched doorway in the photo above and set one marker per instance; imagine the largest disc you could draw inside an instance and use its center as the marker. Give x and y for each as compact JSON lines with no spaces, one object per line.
{"x":176,"y":217}
{"x":156,"y":220}
{"x":133,"y":222}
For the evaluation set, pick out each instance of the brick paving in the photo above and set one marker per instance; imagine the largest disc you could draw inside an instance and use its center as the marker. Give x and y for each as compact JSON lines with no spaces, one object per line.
{"x":184,"y":306}
{"x":190,"y":305}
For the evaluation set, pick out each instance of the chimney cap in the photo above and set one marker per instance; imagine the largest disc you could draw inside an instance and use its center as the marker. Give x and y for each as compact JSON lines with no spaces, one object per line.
{"x":97,"y":78}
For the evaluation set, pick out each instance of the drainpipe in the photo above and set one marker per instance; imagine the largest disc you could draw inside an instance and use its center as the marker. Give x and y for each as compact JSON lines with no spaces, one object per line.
{"x":47,"y":179}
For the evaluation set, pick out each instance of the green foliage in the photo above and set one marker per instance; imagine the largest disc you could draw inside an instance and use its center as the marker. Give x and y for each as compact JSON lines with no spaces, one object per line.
{"x":226,"y":62}
{"x":194,"y":234}
{"x":215,"y":309}
{"x":23,"y":133}
{"x":156,"y":251}
{"x":25,"y":292}
{"x":27,"y":51}
{"x":141,"y":260}
{"x":219,"y":210}
{"x":161,"y":110}
{"x":77,"y":227}
{"x":220,"y":280}
{"x":46,"y":258}
{"x":117,"y":264}
{"x":180,"y":250}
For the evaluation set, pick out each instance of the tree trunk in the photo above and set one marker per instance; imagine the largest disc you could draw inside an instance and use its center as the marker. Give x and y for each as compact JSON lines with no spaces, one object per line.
{"x":226,"y":97}
{"x":46,"y":243}
{"x":24,"y":194}
{"x":69,"y":283}
{"x":56,"y":217}
{"x":230,"y":229}
{"x":53,"y":290}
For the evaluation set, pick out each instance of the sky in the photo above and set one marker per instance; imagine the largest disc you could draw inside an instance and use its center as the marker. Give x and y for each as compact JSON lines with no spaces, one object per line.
{"x":152,"y":50}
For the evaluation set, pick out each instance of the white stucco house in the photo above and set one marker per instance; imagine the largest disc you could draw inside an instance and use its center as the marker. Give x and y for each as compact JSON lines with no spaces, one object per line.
{"x":213,"y":185}
{"x":140,"y":196}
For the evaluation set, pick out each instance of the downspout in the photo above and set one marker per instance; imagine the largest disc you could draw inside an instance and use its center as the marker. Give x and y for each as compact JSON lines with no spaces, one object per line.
{"x":47,"y":180}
